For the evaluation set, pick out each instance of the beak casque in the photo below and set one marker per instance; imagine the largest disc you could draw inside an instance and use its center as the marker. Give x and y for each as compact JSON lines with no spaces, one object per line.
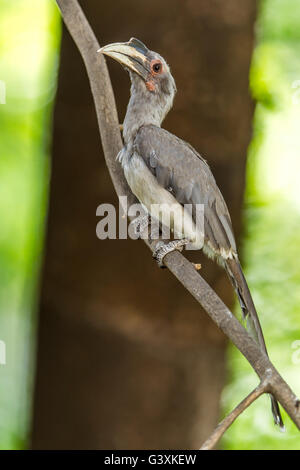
{"x":131,"y":54}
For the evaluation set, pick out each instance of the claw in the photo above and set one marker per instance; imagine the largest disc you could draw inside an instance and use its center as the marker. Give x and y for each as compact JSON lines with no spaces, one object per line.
{"x":162,"y":249}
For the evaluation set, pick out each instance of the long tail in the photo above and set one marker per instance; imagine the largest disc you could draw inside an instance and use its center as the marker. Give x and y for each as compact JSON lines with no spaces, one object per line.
{"x":240,"y":285}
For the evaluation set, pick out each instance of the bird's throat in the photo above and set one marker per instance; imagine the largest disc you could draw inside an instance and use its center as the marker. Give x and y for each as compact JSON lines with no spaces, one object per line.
{"x":143,"y":109}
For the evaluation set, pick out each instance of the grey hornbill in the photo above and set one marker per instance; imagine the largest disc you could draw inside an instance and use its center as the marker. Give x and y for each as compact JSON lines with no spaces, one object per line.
{"x":160,"y":169}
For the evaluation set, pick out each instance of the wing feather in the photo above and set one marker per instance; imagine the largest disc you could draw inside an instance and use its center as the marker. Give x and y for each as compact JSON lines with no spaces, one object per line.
{"x":181,"y":170}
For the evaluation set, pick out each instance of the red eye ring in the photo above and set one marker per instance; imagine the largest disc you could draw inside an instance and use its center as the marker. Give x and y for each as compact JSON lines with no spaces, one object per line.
{"x":156,"y":67}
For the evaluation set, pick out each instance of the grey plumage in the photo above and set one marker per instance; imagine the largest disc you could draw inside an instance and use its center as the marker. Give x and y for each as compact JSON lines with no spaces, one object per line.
{"x":162,"y":169}
{"x":179,"y":168}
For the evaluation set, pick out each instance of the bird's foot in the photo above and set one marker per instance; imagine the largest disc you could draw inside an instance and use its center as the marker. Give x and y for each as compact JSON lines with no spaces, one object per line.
{"x":162,"y":249}
{"x":140,"y":224}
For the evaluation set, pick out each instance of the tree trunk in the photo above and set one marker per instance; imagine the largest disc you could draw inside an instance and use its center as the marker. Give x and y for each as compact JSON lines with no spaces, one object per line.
{"x":126,"y":357}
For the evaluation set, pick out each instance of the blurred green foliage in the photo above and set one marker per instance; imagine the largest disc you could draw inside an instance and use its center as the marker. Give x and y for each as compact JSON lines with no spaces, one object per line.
{"x":272,"y":224}
{"x":29,"y":43}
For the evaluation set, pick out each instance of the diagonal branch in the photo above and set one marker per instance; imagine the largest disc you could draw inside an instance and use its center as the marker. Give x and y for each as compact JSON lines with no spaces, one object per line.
{"x":222,"y":427}
{"x":182,"y":269}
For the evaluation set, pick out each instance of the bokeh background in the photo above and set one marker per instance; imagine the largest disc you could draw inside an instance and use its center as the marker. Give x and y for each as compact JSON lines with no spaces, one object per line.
{"x":30,"y":38}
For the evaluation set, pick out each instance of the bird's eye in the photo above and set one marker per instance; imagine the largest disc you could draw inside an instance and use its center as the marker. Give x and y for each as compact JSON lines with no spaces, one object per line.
{"x":156,"y":66}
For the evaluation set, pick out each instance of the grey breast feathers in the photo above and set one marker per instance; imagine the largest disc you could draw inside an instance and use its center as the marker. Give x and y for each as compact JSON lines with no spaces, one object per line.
{"x":182,"y":171}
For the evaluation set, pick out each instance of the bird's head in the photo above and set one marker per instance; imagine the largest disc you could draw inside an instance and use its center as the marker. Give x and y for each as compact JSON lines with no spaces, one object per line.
{"x":149,"y":72}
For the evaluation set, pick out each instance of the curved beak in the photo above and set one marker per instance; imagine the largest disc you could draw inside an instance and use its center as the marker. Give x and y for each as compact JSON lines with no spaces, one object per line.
{"x":131,"y":54}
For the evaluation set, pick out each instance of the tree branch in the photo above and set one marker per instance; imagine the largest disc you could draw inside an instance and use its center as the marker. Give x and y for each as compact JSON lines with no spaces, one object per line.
{"x":229,"y":419}
{"x":182,"y":269}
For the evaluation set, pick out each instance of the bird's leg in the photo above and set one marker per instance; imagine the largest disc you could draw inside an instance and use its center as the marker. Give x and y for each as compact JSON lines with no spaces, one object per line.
{"x":140,"y":223}
{"x":162,"y":249}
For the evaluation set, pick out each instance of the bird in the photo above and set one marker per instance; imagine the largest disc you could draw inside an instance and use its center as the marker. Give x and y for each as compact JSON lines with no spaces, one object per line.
{"x":163,"y":170}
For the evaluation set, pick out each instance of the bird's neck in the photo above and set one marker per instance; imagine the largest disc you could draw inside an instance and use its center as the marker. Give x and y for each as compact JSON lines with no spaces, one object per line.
{"x":140,"y":112}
